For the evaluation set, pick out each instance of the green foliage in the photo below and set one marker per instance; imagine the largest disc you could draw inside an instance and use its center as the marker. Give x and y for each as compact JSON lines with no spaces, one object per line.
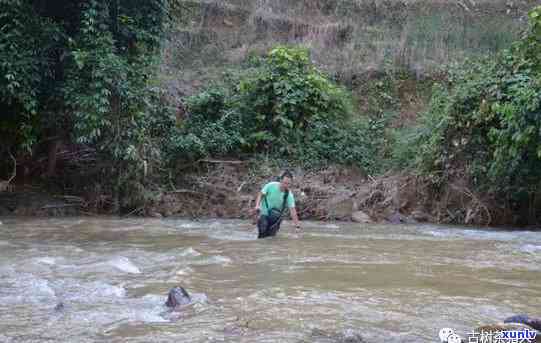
{"x":287,"y":92}
{"x":281,"y":105}
{"x":82,"y":70}
{"x":106,"y":89}
{"x":403,"y":144}
{"x":531,"y":43}
{"x":26,"y":44}
{"x":487,"y":120}
{"x":357,"y":142}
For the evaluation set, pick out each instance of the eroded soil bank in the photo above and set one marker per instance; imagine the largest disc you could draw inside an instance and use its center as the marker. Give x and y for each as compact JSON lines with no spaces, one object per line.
{"x":227,"y":189}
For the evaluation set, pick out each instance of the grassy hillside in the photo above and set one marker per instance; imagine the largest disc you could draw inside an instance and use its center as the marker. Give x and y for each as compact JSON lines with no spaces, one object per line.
{"x":350,"y":39}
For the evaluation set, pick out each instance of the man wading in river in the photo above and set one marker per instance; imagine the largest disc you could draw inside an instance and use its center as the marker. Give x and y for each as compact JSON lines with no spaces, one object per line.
{"x":271,"y":204}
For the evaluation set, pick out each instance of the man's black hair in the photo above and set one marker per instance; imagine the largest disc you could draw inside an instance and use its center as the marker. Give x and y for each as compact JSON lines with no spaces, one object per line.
{"x":286,"y":173}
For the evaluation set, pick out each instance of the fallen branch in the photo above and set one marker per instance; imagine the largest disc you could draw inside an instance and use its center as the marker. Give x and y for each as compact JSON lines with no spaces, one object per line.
{"x":45,"y":207}
{"x":132,"y":212}
{"x":71,"y":198}
{"x":476,"y":200}
{"x":221,"y":161}
{"x":240,"y":187}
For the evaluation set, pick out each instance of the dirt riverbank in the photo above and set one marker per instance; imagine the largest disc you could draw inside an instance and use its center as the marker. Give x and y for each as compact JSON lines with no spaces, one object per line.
{"x":227,"y":189}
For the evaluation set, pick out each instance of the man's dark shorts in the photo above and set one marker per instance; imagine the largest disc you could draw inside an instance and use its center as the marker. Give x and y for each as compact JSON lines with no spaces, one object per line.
{"x":267,"y":228}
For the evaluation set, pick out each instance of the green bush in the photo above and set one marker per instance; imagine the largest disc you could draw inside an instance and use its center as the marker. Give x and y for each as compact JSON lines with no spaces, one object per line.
{"x":281,"y":105}
{"x":403,"y":147}
{"x":81,"y":71}
{"x":357,"y":142}
{"x":486,"y":121}
{"x":27,"y":46}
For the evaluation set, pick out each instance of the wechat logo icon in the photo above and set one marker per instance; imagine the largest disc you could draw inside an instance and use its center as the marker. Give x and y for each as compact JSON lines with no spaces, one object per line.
{"x":448,"y":335}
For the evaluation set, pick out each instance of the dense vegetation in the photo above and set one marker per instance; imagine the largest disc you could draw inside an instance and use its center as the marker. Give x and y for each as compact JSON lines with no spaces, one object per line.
{"x":283,"y":106}
{"x":484,"y":124}
{"x":80,"y":72}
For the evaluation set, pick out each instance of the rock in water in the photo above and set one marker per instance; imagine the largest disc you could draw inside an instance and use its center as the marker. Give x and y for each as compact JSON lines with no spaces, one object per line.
{"x":59,"y":307}
{"x":361,"y":217}
{"x":177,"y":296}
{"x":525,"y":319}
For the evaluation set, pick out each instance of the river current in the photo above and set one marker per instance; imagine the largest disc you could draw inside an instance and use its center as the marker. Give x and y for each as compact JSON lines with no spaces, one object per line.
{"x":386,"y":283}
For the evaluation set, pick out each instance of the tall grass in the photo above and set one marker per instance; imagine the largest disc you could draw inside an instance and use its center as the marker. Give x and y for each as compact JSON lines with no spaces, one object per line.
{"x":345,"y":36}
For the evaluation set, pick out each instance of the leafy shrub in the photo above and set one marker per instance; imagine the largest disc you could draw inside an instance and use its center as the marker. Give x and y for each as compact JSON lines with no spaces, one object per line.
{"x":282,"y":105}
{"x":27,"y":46}
{"x":80,"y":70}
{"x":486,"y":120}
{"x":357,"y":142}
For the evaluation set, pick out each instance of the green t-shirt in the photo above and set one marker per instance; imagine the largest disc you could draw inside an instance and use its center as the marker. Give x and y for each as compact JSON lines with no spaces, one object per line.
{"x":275,"y":197}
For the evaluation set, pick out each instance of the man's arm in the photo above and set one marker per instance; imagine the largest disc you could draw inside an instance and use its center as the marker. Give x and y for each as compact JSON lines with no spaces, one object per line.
{"x":258,"y":201}
{"x":260,"y":195}
{"x":295,"y":217}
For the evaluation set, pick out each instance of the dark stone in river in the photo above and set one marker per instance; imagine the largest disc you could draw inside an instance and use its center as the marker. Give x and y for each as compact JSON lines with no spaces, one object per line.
{"x":177,"y":296}
{"x":525,"y":319}
{"x":59,"y":307}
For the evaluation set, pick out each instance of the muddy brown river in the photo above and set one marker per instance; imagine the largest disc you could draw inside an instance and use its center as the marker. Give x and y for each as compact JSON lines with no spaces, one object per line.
{"x":386,"y":283}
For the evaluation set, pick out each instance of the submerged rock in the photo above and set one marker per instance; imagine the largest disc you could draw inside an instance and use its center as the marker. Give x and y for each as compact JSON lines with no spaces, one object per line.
{"x":178,"y":296}
{"x":532,"y":322}
{"x":59,"y":307}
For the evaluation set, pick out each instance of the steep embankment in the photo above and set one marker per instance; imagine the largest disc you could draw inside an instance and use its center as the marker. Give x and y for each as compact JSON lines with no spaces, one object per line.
{"x":350,"y":39}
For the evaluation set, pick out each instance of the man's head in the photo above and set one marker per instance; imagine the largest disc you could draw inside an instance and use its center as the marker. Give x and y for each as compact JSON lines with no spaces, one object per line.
{"x":285,"y":180}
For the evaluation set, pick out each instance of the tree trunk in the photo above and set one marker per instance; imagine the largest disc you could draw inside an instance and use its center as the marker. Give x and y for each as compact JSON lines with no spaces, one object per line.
{"x":51,"y":163}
